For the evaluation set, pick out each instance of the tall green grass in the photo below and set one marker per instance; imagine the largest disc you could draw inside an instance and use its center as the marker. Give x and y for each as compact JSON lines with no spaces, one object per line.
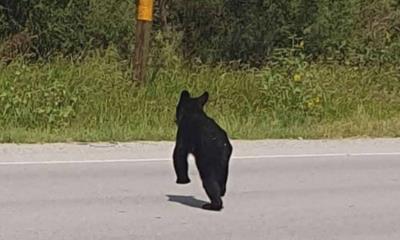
{"x":95,"y":100}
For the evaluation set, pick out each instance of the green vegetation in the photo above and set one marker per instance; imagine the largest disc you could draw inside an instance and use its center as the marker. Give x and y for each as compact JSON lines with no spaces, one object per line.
{"x":274,"y":69}
{"x":91,"y":100}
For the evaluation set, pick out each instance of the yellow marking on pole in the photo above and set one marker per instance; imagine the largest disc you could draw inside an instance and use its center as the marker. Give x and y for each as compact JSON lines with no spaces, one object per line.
{"x":145,"y":10}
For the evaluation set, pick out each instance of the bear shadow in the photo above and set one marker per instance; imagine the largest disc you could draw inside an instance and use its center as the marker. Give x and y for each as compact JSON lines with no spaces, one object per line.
{"x":186,"y":200}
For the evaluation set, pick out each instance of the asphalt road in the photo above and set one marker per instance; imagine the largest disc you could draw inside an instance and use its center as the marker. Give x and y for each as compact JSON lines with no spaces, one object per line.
{"x":322,"y":190}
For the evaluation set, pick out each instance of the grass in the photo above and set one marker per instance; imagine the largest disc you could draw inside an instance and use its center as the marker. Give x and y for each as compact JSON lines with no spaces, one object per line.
{"x":94,"y":100}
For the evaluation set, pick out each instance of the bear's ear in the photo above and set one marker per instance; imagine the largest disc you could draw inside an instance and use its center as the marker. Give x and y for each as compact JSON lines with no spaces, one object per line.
{"x":185,"y":95}
{"x":203,"y":98}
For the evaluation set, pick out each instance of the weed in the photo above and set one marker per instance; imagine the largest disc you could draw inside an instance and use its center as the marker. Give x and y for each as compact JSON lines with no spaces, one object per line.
{"x":94,"y":99}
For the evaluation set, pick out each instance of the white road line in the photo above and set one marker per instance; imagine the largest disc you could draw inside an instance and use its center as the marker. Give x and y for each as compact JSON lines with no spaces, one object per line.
{"x":124,"y":160}
{"x":320,"y":155}
{"x":133,"y":160}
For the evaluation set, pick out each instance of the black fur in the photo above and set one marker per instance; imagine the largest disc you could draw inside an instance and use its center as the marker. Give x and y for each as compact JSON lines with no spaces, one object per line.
{"x":201,"y":136}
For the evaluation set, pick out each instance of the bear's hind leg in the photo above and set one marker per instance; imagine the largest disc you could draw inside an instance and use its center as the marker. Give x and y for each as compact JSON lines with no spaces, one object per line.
{"x":213,"y":191}
{"x":225,"y":168}
{"x":222,"y":181}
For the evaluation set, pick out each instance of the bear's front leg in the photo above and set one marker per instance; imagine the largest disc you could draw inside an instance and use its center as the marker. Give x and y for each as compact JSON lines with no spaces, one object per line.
{"x":181,"y":164}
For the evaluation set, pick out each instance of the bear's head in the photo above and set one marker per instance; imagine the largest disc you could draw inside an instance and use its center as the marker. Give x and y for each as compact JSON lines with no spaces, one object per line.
{"x":188,"y":105}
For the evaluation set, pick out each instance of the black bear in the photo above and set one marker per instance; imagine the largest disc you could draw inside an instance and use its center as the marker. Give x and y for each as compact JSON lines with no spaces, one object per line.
{"x":201,"y":136}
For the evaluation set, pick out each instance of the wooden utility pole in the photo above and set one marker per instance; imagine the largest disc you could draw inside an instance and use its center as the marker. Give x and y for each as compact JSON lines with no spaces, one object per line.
{"x":143,"y":29}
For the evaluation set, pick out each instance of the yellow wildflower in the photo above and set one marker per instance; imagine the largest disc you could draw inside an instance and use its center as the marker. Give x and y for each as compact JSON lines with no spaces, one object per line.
{"x":297,"y":77}
{"x":301,"y":44}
